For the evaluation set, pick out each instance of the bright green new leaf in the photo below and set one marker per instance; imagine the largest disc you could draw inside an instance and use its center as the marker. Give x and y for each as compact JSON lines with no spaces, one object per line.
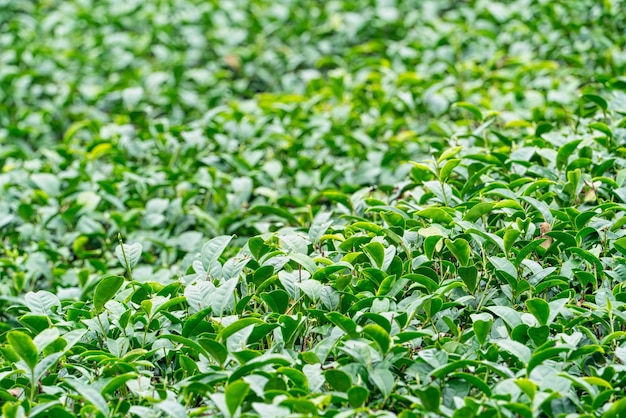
{"x":235,"y":393}
{"x":446,"y":170}
{"x":24,"y":346}
{"x":449,"y":153}
{"x":377,"y":334}
{"x":473,"y":109}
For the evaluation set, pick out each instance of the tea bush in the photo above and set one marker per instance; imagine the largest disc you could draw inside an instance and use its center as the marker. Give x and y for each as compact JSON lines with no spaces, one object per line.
{"x":300,"y":208}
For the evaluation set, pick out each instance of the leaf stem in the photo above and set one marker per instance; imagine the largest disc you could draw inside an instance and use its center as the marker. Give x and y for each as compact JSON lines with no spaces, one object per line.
{"x":33,"y":385}
{"x":128,"y":271}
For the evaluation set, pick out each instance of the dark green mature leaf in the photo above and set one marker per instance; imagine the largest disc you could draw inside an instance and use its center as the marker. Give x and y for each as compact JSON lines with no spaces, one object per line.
{"x":270,"y":210}
{"x":542,"y":355}
{"x":105,"y":290}
{"x":277,"y":300}
{"x":477,"y":211}
{"x":602,"y":127}
{"x":436,"y":215}
{"x":194,"y":320}
{"x":383,"y":379}
{"x":474,"y":381}
{"x":172,"y":409}
{"x":539,"y":335}
{"x":430,"y":398}
{"x":469,"y":275}
{"x":357,"y":396}
{"x":376,"y":252}
{"x":224,"y":295}
{"x":257,"y":364}
{"x":520,"y":351}
{"x":197,"y":348}
{"x":525,"y":252}
{"x":346,"y":324}
{"x":444,"y":370}
{"x":540,"y":310}
{"x":481,"y":324}
{"x":117,"y":381}
{"x":598,"y":100}
{"x":338,"y":380}
{"x":238,"y":326}
{"x":565,"y":152}
{"x":461,"y":250}
{"x":215,"y":349}
{"x":213,"y":249}
{"x":620,"y":245}
{"x":510,"y":236}
{"x":428,"y":283}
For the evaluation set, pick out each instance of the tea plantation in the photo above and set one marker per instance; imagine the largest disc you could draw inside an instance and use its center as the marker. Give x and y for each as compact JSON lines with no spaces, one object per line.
{"x":300,"y":208}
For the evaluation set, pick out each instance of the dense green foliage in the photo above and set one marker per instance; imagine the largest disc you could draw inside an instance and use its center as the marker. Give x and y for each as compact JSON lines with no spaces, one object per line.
{"x":310,"y":208}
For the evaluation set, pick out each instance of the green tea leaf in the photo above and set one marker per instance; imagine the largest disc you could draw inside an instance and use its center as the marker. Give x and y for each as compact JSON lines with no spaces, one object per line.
{"x":105,"y":290}
{"x":377,"y":334}
{"x":461,"y":250}
{"x":357,"y":396}
{"x":477,"y":211}
{"x":338,"y":380}
{"x":430,"y":398}
{"x":346,"y":324}
{"x":473,"y":109}
{"x":540,"y":310}
{"x":235,"y":393}
{"x":376,"y":253}
{"x":24,"y":346}
{"x":469,"y":275}
{"x":481,"y":324}
{"x":449,"y":153}
{"x":89,"y":393}
{"x":620,"y":245}
{"x":130,"y":253}
{"x":565,"y":152}
{"x":436,"y":215}
{"x":504,"y":266}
